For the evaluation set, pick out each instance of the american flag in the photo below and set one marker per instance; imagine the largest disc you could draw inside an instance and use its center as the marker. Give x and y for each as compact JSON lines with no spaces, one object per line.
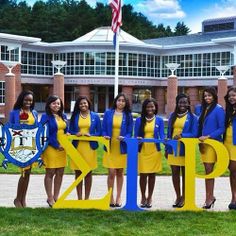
{"x":116,"y":14}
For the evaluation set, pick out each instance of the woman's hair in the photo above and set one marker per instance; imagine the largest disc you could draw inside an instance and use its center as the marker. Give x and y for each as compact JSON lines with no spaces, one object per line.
{"x":76,"y":107}
{"x":51,"y":99}
{"x":144,"y":113}
{"x":204,"y":113}
{"x":176,"y":111}
{"x":19,"y":102}
{"x":127,"y":109}
{"x":228,"y":107}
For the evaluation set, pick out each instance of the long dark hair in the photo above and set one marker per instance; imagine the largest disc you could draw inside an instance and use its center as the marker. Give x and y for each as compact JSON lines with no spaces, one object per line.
{"x":144,"y":114}
{"x":76,"y":107}
{"x":176,"y":111}
{"x":51,"y":99}
{"x":204,"y":113}
{"x":20,"y":99}
{"x":127,"y":109}
{"x":229,"y":115}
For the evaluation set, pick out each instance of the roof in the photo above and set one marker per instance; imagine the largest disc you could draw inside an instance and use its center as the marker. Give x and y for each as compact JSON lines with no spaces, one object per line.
{"x":105,"y":34}
{"x":191,"y":38}
{"x":219,"y":20}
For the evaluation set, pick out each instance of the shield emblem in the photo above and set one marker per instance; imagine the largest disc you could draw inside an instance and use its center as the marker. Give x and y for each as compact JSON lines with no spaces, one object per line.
{"x":22,"y":144}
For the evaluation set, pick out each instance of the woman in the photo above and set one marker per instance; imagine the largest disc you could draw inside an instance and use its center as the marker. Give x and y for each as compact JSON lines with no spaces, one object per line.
{"x":54,"y":156}
{"x":181,"y":124}
{"x":230,"y":140}
{"x":117,"y":124}
{"x":211,"y":125}
{"x":84,"y":122}
{"x":23,"y":113}
{"x":149,"y":125}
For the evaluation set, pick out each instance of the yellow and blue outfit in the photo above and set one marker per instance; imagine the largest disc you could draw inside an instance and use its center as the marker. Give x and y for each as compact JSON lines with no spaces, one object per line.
{"x":149,"y":157}
{"x":230,"y":139}
{"x":214,"y":126}
{"x":92,"y":125}
{"x":187,"y":127}
{"x":52,"y":156}
{"x":115,"y":125}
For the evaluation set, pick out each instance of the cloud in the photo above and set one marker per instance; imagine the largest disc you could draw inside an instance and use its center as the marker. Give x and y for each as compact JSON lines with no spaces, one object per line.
{"x":160,"y":9}
{"x":224,"y":8}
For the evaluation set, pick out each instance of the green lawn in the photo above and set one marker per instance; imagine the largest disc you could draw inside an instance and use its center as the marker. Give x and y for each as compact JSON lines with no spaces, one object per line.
{"x":118,"y":222}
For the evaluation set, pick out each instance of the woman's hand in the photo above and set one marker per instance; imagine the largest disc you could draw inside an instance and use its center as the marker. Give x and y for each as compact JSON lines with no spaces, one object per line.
{"x":87,"y":135}
{"x":60,"y":148}
{"x":107,"y":137}
{"x":79,"y":134}
{"x":120,"y":138}
{"x":203,"y":138}
{"x":177,"y":136}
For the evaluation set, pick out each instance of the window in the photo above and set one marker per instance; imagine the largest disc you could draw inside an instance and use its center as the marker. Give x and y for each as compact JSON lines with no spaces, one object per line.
{"x":2,"y":92}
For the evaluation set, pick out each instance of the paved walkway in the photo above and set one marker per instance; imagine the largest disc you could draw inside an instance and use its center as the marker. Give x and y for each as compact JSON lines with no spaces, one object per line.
{"x":163,"y":196}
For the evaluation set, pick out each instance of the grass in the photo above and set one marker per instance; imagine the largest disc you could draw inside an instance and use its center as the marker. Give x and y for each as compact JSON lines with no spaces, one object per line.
{"x":93,"y":222}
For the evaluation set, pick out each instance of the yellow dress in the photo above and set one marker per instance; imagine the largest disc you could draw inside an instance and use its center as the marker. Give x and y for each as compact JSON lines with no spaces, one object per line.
{"x":115,"y":159}
{"x":177,"y":130}
{"x":54,"y":158}
{"x":149,"y":159}
{"x":88,"y":154}
{"x":229,"y":143}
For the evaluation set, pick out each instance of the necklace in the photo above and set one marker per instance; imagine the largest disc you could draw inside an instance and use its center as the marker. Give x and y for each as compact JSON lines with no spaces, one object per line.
{"x":182,"y":114}
{"x":149,"y":119}
{"x":83,"y":116}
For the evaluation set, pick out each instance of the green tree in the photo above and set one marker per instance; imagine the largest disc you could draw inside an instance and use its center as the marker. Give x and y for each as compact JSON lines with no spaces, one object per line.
{"x":181,"y":29}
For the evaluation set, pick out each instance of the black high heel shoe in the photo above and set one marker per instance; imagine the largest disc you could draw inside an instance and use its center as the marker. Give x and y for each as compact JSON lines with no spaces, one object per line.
{"x":209,"y":206}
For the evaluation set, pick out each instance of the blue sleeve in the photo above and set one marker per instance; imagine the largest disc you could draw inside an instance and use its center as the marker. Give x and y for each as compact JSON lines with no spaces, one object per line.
{"x":137,"y":127}
{"x":193,"y":131}
{"x":98,"y":126}
{"x":220,"y":116}
{"x":43,"y":119}
{"x":72,"y":128}
{"x":129,"y":130}
{"x":104,"y":124}
{"x":11,"y":117}
{"x":67,"y":127}
{"x":162,"y":129}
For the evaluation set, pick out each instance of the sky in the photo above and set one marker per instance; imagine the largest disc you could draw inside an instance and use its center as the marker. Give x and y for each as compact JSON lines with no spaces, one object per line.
{"x":169,"y":12}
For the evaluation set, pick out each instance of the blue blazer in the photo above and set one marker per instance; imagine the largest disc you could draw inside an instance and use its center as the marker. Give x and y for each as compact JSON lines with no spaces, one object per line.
{"x":190,"y":130}
{"x":15,"y":116}
{"x":95,"y":128}
{"x":52,"y":126}
{"x":158,"y":130}
{"x":125,"y":130}
{"x":214,"y":124}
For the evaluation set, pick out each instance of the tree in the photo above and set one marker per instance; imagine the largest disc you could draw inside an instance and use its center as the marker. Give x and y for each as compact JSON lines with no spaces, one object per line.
{"x":181,"y":29}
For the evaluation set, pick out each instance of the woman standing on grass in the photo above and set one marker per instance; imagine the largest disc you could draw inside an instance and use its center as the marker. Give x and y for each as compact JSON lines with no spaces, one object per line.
{"x":230,"y":140}
{"x":54,"y":156}
{"x":84,"y":122}
{"x":23,"y":113}
{"x":117,"y":124}
{"x":211,"y":125}
{"x":149,"y":125}
{"x":181,"y":124}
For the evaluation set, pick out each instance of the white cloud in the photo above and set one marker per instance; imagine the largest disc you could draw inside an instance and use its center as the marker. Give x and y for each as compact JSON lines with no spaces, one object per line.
{"x":160,"y":9}
{"x":223,"y":9}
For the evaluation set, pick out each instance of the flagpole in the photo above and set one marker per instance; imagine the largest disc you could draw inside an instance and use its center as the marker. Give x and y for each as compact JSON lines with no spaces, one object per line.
{"x":116,"y":85}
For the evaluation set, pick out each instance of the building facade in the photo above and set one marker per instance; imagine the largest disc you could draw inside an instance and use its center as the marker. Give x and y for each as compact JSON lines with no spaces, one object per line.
{"x":90,"y":65}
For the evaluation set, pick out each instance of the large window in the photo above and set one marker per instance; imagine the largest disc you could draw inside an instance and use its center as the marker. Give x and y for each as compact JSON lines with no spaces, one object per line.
{"x":2,"y":92}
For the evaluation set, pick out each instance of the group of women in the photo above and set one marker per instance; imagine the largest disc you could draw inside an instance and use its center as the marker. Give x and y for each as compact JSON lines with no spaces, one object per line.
{"x":213,"y":122}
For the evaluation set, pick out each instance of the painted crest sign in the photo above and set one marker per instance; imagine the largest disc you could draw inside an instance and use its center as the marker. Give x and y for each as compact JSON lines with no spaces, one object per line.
{"x":22,"y":145}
